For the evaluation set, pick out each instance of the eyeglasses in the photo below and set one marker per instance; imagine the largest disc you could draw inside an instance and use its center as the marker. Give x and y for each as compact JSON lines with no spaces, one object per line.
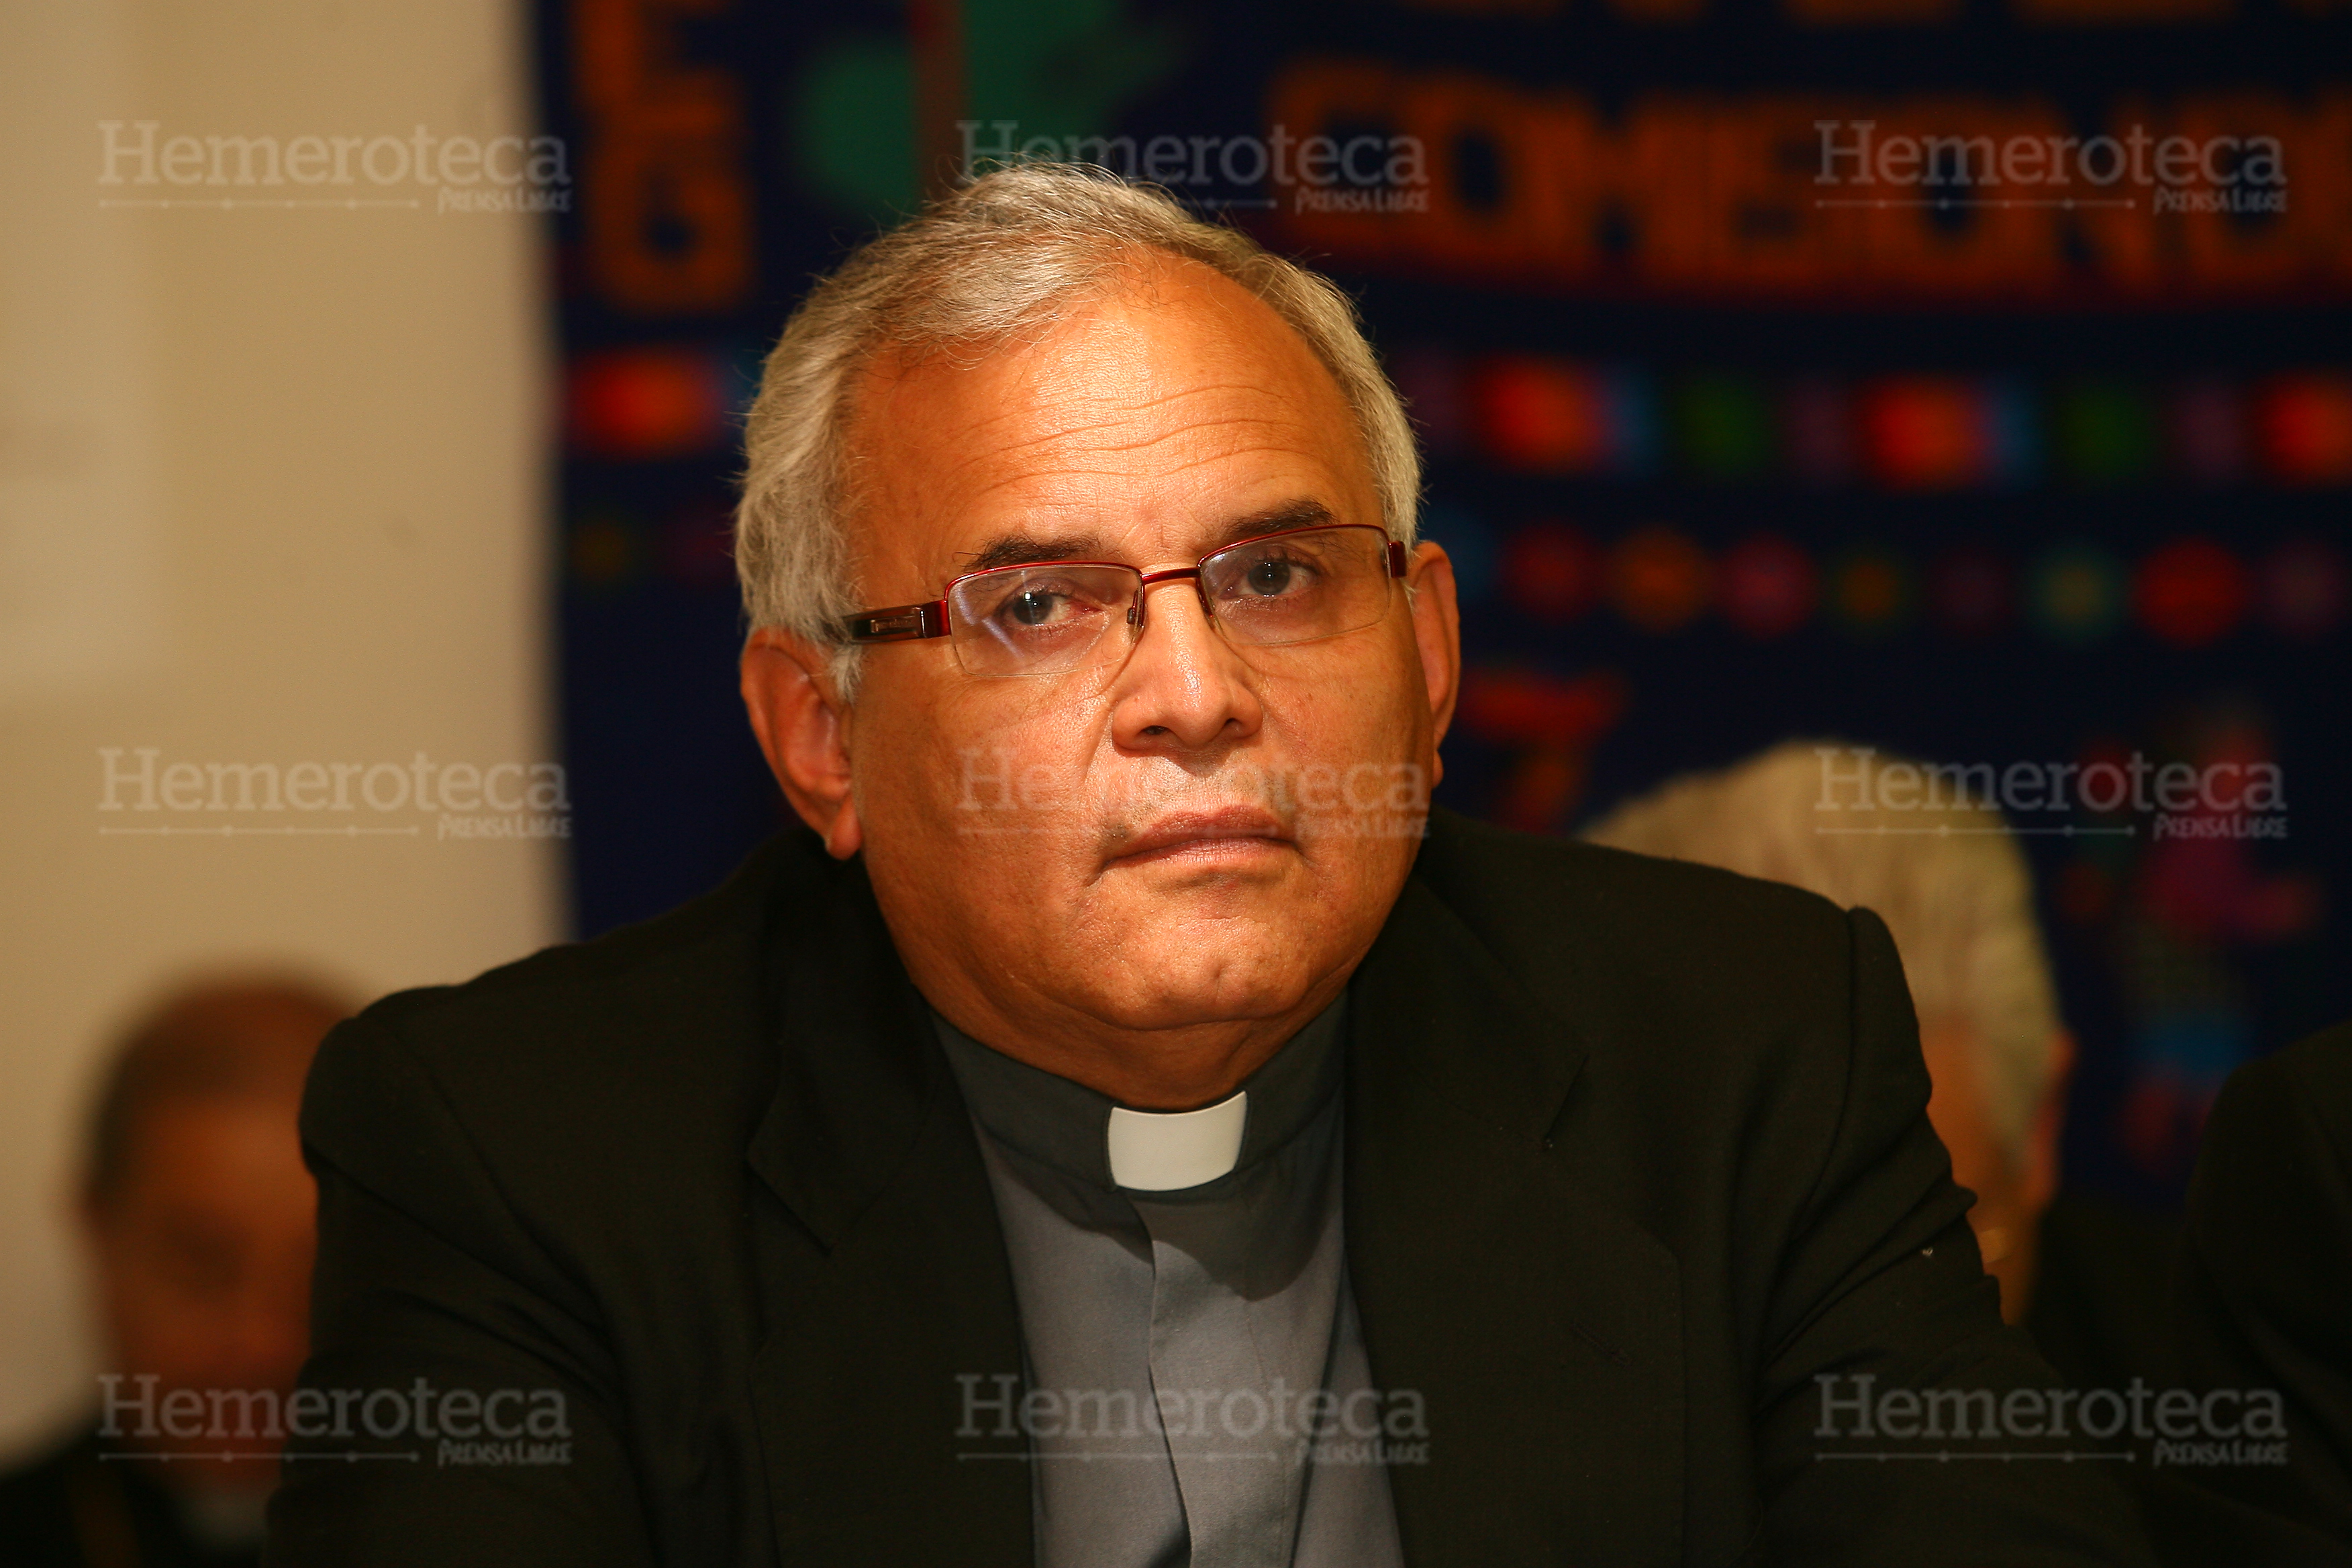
{"x":1053,"y":616}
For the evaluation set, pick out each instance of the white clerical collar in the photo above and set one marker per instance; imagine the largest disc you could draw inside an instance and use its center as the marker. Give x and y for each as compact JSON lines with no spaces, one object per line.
{"x":1163,"y":1151}
{"x":1084,"y":1134}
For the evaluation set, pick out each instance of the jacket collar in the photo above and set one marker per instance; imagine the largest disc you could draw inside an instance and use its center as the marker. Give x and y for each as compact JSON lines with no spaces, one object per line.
{"x":1435,"y":1007}
{"x":858,"y":1069}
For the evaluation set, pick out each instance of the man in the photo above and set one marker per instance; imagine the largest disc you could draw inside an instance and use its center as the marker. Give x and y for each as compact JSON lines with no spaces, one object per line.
{"x":198,"y":1219}
{"x":1117,"y":1136}
{"x":2264,"y":1302}
{"x":2086,"y":1277}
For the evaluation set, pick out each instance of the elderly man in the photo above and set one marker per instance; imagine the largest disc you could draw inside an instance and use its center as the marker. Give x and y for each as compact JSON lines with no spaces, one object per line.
{"x":1117,"y":1135}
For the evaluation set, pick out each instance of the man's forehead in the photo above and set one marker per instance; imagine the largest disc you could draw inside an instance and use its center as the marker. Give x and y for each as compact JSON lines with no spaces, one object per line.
{"x":1172,"y":421}
{"x":1119,"y":373}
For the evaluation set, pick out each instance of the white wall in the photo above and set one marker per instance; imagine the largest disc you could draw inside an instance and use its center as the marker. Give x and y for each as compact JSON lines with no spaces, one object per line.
{"x":271,"y":491}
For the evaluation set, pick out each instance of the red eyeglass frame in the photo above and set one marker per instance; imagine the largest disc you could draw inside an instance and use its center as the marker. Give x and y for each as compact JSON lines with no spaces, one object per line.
{"x":914,"y":623}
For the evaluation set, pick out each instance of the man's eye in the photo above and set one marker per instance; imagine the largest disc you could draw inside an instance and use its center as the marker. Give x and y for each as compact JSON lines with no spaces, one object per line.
{"x":1272,"y":577}
{"x":1046,"y":609}
{"x":1034,"y":608}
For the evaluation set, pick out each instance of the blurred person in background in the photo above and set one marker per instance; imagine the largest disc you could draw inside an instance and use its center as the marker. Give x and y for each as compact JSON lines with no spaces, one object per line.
{"x":199,"y":1223}
{"x":2084,"y":1277}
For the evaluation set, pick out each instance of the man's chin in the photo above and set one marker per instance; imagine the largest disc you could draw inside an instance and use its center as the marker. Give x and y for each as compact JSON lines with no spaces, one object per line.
{"x":1215,"y":977}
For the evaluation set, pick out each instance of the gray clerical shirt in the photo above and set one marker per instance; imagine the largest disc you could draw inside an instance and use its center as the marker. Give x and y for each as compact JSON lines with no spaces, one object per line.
{"x":1198,"y":1391}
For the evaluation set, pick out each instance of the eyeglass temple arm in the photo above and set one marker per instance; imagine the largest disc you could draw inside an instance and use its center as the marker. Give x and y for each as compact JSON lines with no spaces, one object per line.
{"x":901,"y":623}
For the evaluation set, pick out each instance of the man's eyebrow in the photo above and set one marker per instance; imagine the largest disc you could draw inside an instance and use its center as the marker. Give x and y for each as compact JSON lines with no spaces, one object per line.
{"x":1291,"y":515}
{"x":1022,"y":550}
{"x":1027,"y":550}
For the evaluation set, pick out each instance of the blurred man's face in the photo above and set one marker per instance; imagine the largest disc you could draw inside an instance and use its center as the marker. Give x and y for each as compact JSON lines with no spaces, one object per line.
{"x":1205,"y":834}
{"x":203,"y":1258}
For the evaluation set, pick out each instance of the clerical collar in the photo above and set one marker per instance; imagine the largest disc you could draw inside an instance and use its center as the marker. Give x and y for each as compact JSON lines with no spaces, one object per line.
{"x":1092,"y":1137}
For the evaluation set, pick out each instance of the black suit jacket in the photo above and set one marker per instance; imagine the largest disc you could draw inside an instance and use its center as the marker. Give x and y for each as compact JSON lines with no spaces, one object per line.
{"x":2262,"y":1298}
{"x":1635,"y":1149}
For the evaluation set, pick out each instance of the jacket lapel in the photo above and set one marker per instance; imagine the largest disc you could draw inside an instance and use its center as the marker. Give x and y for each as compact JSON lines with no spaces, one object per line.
{"x":887,"y":1382}
{"x":1542,"y":1328}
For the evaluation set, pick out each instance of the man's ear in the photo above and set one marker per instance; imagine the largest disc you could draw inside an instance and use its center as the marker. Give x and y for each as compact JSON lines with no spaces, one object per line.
{"x":1437,"y":628}
{"x":803,"y":730}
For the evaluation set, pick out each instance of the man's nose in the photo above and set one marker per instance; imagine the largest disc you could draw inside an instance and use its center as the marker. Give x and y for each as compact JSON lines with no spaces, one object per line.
{"x":1183,"y":687}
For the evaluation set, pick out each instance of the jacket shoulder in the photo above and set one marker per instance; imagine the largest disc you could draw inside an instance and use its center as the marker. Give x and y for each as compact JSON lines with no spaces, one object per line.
{"x":582,"y":982}
{"x":1702,"y":1005}
{"x":565,"y":1077}
{"x":2314,"y":1073}
{"x":1544,"y":904}
{"x":2283,"y":1120}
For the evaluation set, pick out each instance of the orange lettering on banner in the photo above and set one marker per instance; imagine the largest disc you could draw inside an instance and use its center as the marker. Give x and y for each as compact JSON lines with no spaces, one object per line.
{"x":1954,"y":196}
{"x":666,"y":200}
{"x":1602,"y":194}
{"x":2265,"y":201}
{"x":628,"y":69}
{"x":2321,"y":160}
{"x":2130,"y":244}
{"x":1674,"y":169}
{"x":1303,"y":101}
{"x":1767,"y":223}
{"x":1478,"y":216}
{"x":1957,"y":221}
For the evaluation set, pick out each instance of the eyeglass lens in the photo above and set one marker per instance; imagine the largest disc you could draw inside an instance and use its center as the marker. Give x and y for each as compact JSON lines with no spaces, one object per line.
{"x":1288,"y":588}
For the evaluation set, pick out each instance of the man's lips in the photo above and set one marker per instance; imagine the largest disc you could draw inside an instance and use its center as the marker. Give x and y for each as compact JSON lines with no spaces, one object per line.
{"x":1233,"y":831}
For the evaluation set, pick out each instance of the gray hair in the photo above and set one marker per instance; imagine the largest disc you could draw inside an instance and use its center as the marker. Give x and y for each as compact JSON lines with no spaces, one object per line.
{"x":1005,"y":255}
{"x":1959,"y":904}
